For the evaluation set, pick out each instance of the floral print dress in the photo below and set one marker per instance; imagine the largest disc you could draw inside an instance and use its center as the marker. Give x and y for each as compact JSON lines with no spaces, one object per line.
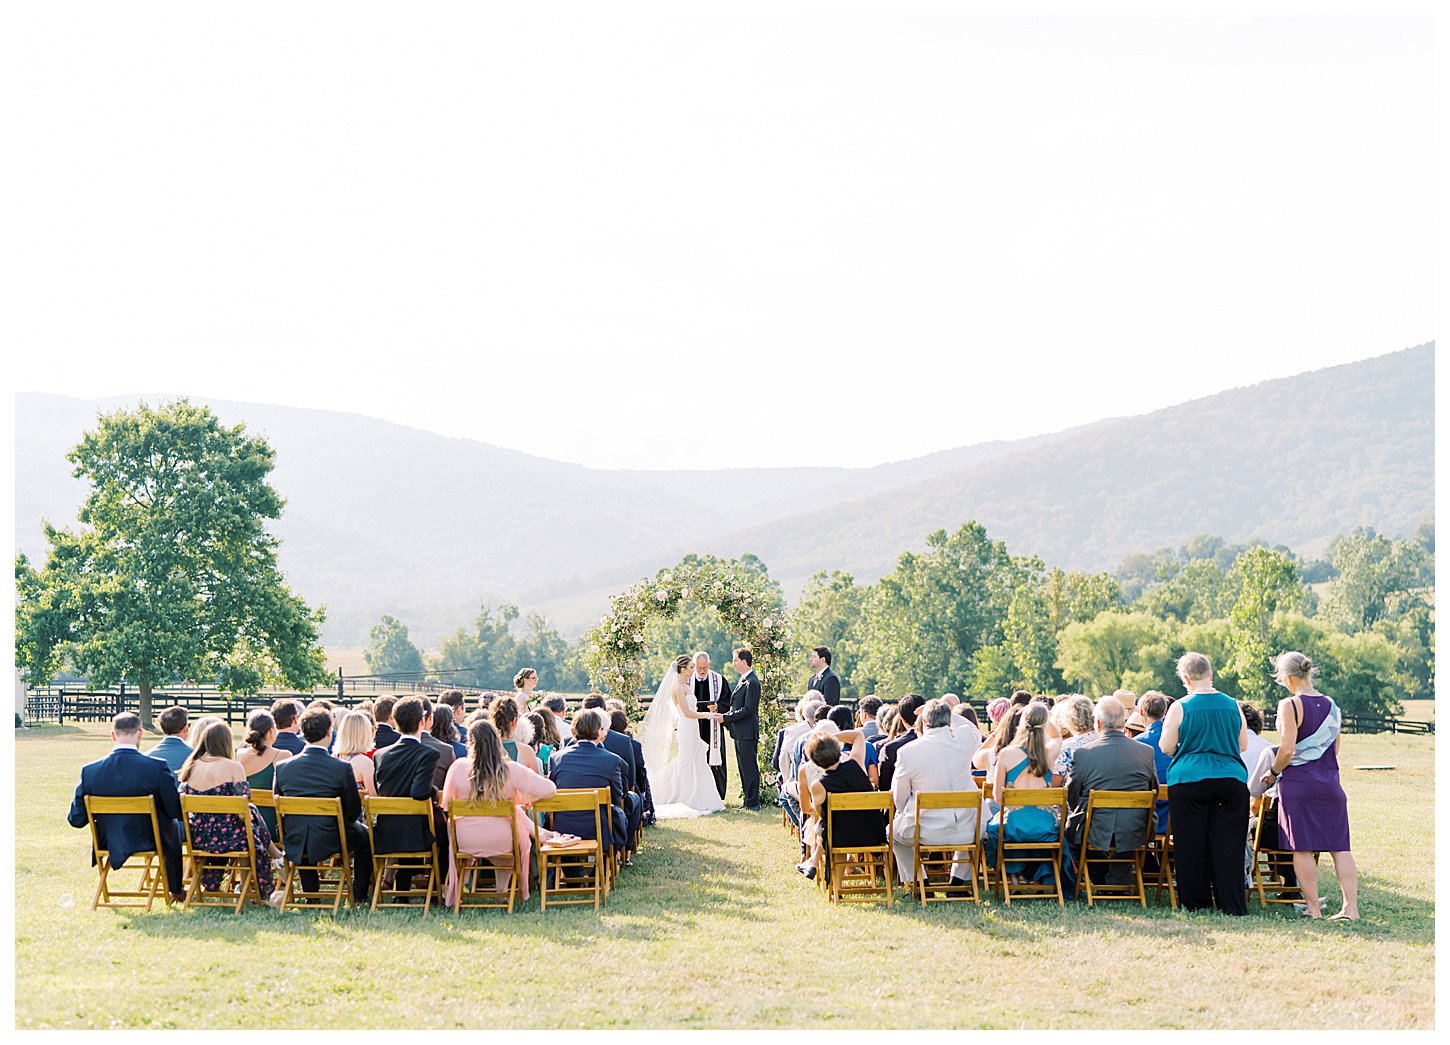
{"x":223,"y":832}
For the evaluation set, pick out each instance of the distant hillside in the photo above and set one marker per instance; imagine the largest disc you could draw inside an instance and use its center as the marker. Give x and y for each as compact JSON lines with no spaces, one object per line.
{"x":382,"y":518}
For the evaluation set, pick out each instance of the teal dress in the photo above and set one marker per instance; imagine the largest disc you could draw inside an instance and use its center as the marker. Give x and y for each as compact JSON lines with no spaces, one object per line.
{"x":544,"y":751}
{"x":263,"y":780}
{"x":1025,"y":824}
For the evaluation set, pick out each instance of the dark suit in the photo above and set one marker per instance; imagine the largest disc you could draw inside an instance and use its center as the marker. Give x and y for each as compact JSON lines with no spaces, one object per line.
{"x":384,"y":736}
{"x":292,"y":743}
{"x":405,"y":770}
{"x":312,"y":839}
{"x":623,"y":746}
{"x":829,"y":685}
{"x":641,"y":782}
{"x":586,"y":764}
{"x":887,"y":769}
{"x":1113,"y":762}
{"x":447,"y":753}
{"x":702,"y":703}
{"x":742,"y":720}
{"x":125,"y":772}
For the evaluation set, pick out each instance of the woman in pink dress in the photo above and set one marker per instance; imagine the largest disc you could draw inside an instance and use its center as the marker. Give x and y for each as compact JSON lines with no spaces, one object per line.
{"x":488,"y":775}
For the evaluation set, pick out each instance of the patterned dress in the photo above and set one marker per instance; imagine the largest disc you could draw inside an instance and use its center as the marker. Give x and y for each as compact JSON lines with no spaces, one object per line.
{"x":224,"y":832}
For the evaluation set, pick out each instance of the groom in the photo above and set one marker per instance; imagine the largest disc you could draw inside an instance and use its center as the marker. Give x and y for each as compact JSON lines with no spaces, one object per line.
{"x":709,"y":688}
{"x":742,"y":719}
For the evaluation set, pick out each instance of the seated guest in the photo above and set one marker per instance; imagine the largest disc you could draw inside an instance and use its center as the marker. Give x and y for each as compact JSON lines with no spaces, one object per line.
{"x":385,"y":735}
{"x":891,"y":728}
{"x":933,"y":763}
{"x":405,"y":770}
{"x":199,"y":727}
{"x":1263,"y":782}
{"x":863,"y":752}
{"x":546,"y":735}
{"x":446,"y":752}
{"x":622,"y":746}
{"x":1127,"y":699}
{"x":866,"y":713}
{"x":173,"y":749}
{"x":1025,"y":763}
{"x":1254,"y":718}
{"x":354,"y":746}
{"x":1112,"y":762}
{"x":443,"y":729}
{"x":259,"y":757}
{"x":1074,"y":717}
{"x":211,"y":770}
{"x":1135,"y":724}
{"x":485,"y":775}
{"x":785,"y":741}
{"x":586,"y":764}
{"x":316,"y":774}
{"x":907,"y":709}
{"x":124,"y":773}
{"x":506,"y":720}
{"x":964,"y":729}
{"x":285,"y":713}
{"x":996,"y":708}
{"x":849,"y":830}
{"x":453,"y":701}
{"x":639,"y":783}
{"x":557,"y":706}
{"x":1153,"y":706}
{"x":985,"y":757}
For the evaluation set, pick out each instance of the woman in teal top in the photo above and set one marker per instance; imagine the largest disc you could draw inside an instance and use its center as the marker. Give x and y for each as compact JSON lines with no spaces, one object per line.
{"x":1208,"y":795}
{"x":1025,"y":763}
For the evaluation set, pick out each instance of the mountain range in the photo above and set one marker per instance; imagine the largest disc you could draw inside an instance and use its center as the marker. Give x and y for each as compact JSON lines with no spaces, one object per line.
{"x":384,"y":518}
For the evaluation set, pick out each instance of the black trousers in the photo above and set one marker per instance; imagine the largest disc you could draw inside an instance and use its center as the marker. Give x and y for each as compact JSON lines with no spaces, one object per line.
{"x":1210,"y":820}
{"x":747,"y":749}
{"x":360,"y":848}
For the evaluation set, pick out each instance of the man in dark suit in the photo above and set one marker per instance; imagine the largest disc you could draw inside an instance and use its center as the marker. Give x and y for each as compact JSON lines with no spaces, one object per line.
{"x":172,"y":750}
{"x":316,"y":774}
{"x":385,"y":735}
{"x":622,"y":746}
{"x":1113,"y":762}
{"x":907,"y":708}
{"x":825,"y":681}
{"x":619,"y":724}
{"x":285,"y":711}
{"x":405,"y":770}
{"x":446,"y":753}
{"x":126,"y":773}
{"x":586,"y":763}
{"x":742,"y":720}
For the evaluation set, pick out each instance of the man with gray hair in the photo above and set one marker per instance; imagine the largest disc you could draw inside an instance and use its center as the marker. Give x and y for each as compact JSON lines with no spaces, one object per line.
{"x":792,"y":750}
{"x":933,"y":763}
{"x":1111,"y":762}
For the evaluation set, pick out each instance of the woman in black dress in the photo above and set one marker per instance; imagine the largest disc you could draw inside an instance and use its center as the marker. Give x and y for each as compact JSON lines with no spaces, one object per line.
{"x":853,"y":829}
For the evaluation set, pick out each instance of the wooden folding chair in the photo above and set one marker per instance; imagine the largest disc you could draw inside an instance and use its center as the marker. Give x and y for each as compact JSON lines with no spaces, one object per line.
{"x":153,"y":867}
{"x":420,"y":862}
{"x":611,"y":855}
{"x":469,"y":869}
{"x":586,"y":855}
{"x":239,"y":866}
{"x":1161,"y":846}
{"x":334,"y":872}
{"x":861,"y":873}
{"x":1016,"y":798}
{"x":266,"y":804}
{"x":1086,"y":860}
{"x":1269,"y":865}
{"x":932,"y":864}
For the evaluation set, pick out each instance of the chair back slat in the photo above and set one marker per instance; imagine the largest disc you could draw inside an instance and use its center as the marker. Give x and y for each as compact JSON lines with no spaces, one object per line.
{"x":99,"y":805}
{"x":569,"y":801}
{"x":478,"y":807}
{"x":295,"y":805}
{"x":949,"y":800}
{"x":1032,"y":796}
{"x":392,"y":806}
{"x":237,"y":805}
{"x":1121,"y":799}
{"x":844,"y":801}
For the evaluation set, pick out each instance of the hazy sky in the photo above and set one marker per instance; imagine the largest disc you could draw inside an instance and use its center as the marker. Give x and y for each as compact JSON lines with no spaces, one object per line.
{"x":705,"y":235}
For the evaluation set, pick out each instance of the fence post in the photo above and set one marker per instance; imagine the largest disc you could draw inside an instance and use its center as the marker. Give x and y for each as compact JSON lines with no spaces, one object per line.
{"x":339,"y":683}
{"x":121,"y":699}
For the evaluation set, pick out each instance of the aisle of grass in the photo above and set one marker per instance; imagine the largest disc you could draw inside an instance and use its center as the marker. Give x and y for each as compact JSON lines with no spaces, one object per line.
{"x":713,"y":911}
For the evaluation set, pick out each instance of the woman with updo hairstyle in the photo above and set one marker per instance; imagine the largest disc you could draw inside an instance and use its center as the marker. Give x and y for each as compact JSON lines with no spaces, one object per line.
{"x":259,"y":759}
{"x":1313,"y":811}
{"x":487,"y":775}
{"x":504,"y":713}
{"x":1025,"y":763}
{"x":524,"y":683}
{"x":354,"y":745}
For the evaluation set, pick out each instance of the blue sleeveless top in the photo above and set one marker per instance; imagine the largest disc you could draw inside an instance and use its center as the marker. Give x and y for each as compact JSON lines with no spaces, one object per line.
{"x":1208,"y":740}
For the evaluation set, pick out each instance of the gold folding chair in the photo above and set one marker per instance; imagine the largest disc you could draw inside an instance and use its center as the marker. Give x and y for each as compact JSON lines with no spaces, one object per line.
{"x":153,"y":867}
{"x":585,"y":855}
{"x":1086,"y":860}
{"x":861,"y":873}
{"x":420,"y":862}
{"x":1270,"y":864}
{"x":1161,"y":847}
{"x":469,"y":869}
{"x":611,"y":856}
{"x":334,"y":875}
{"x":932,"y":864}
{"x":239,"y":866}
{"x":1016,"y":798}
{"x":266,"y":803}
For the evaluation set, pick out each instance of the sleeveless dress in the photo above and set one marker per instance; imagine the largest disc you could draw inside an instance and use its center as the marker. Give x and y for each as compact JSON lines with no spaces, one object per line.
{"x":224,"y":832}
{"x":1313,"y":812}
{"x":1024,"y":824}
{"x":264,"y":779}
{"x":685,"y":787}
{"x":856,"y":827}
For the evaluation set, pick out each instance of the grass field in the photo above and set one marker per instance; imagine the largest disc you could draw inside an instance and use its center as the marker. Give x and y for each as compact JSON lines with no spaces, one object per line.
{"x":713,"y":911}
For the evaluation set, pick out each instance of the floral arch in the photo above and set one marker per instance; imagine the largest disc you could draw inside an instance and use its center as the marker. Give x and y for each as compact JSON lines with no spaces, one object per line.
{"x":615,"y":647}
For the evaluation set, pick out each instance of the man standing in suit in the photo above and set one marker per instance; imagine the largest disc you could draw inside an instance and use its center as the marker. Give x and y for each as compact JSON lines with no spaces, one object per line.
{"x":316,"y":774}
{"x":710,"y":688}
{"x":743,"y":721}
{"x":586,"y":764}
{"x":126,"y":773}
{"x":1112,"y":762}
{"x":405,"y":770}
{"x":825,"y":680}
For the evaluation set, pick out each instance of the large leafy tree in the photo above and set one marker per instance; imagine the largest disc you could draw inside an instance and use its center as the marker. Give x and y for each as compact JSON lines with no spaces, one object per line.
{"x":1116,"y":649}
{"x":171,"y":574}
{"x":829,"y":614}
{"x":1376,"y":574}
{"x":390,"y":651}
{"x":1267,"y":584}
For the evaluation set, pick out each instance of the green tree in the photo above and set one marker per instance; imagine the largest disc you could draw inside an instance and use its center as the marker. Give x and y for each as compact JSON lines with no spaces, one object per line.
{"x":1105,"y":653}
{"x":829,"y":614}
{"x":1267,"y":583}
{"x":172,"y":574}
{"x":1191,"y":592}
{"x":1361,"y":671}
{"x":1373,"y":571}
{"x":545,"y":650}
{"x":485,"y":658}
{"x":390,"y":651}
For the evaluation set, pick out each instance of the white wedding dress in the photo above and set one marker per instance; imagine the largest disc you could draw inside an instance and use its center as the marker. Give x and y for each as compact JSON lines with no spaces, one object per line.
{"x":676,"y":758}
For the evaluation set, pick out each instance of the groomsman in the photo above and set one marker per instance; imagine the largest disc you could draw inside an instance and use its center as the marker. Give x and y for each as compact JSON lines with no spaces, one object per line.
{"x":826,"y":681}
{"x":709,"y":688}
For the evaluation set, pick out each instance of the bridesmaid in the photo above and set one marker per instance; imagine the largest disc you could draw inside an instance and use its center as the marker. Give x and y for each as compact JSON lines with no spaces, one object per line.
{"x":524,"y":683}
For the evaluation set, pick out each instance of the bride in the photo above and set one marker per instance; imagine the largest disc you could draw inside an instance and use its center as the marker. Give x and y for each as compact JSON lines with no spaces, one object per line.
{"x":684,"y":785}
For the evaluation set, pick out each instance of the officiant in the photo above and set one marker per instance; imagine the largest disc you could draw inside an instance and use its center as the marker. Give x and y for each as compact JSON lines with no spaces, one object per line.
{"x":710,"y":687}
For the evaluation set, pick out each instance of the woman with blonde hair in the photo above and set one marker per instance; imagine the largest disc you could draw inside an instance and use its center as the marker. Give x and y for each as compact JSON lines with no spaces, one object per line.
{"x":354,"y":745}
{"x":1025,"y":763}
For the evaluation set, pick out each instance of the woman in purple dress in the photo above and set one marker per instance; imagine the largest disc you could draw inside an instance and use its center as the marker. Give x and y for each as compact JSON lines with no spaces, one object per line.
{"x":1313,"y":813}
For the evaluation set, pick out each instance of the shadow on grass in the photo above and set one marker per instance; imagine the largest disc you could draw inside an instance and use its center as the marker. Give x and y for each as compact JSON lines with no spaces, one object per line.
{"x":48,"y":731}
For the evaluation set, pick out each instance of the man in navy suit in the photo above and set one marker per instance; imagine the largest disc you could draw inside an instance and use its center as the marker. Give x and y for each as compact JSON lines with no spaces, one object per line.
{"x":385,"y":735}
{"x":623,"y":746}
{"x":172,"y":750}
{"x":284,"y":715}
{"x":586,"y":763}
{"x":619,"y":725}
{"x":406,"y":770}
{"x":126,"y":773}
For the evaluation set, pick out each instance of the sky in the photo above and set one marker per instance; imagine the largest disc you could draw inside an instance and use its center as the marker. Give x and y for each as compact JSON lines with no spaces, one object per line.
{"x":698,"y":236}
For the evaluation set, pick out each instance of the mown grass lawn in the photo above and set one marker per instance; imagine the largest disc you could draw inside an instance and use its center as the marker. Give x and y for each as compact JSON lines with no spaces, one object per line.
{"x":714,"y":912}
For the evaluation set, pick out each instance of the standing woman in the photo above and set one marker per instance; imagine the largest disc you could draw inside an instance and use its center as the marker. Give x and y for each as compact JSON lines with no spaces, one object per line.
{"x":1208,"y":794}
{"x":1313,"y":812}
{"x":524,"y":683}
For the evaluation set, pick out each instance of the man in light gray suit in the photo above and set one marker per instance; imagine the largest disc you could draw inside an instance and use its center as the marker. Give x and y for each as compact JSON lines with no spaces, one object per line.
{"x":1113,"y":762}
{"x":937,"y":761}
